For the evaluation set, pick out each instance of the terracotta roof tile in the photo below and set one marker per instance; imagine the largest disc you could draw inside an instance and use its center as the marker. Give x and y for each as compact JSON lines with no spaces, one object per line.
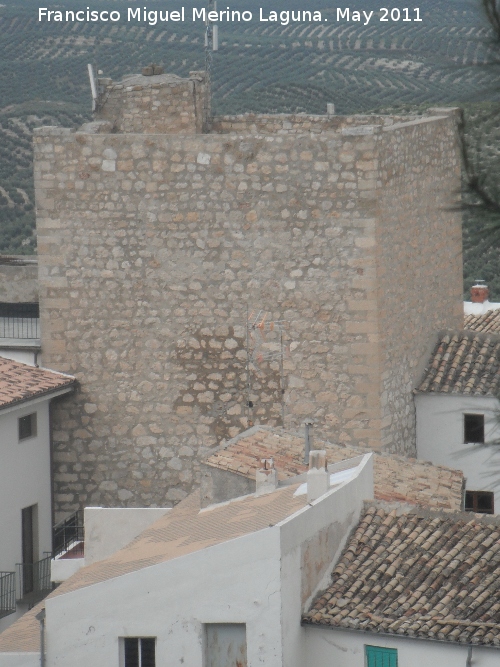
{"x":463,"y":362}
{"x":181,"y":531}
{"x":20,"y":382}
{"x":395,"y":477}
{"x":418,"y":574}
{"x":489,"y":322}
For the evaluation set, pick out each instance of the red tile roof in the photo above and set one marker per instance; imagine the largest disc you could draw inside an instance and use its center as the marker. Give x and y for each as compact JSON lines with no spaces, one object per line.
{"x":488,"y":322}
{"x":20,"y":382}
{"x":396,"y":478}
{"x":417,"y":574}
{"x":463,"y":362}
{"x":181,"y":531}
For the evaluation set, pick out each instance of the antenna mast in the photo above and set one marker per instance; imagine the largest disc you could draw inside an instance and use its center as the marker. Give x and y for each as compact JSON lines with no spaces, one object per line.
{"x":211,"y":44}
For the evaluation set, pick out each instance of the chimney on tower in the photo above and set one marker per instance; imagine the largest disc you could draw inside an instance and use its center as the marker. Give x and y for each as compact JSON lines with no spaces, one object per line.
{"x":479,"y":292}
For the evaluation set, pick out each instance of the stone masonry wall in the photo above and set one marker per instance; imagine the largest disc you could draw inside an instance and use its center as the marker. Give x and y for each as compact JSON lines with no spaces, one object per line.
{"x":18,"y":280}
{"x":160,"y":104}
{"x":152,"y":250}
{"x":419,"y":261}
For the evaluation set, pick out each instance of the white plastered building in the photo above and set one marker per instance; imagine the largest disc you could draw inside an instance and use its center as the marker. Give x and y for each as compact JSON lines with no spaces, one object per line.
{"x":25,"y":483}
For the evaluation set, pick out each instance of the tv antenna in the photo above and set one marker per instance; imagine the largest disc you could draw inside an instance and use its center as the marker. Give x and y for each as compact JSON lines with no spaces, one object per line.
{"x":265,"y":341}
{"x":93,"y":86}
{"x":211,"y":45}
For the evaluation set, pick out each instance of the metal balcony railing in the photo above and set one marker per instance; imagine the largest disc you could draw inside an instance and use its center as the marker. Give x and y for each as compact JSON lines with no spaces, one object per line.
{"x":69,"y":536}
{"x":7,"y":593}
{"x":19,"y":320}
{"x":34,"y":580}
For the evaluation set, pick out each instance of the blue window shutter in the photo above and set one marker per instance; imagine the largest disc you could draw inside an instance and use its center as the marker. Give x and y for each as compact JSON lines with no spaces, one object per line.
{"x":376,"y":656}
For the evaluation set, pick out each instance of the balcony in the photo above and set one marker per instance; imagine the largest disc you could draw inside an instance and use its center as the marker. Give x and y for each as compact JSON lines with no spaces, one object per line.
{"x":19,"y":322}
{"x":69,"y":537}
{"x":33,"y":580}
{"x":68,"y":540}
{"x":7,"y":593}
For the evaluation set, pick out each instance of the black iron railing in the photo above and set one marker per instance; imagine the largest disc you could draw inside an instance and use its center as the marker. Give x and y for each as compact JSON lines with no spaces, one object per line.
{"x":7,"y":593}
{"x":69,"y":535}
{"x":34,"y":579}
{"x":19,"y":320}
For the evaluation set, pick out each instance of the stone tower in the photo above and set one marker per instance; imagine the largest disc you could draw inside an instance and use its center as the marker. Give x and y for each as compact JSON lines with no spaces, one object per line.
{"x":156,"y":240}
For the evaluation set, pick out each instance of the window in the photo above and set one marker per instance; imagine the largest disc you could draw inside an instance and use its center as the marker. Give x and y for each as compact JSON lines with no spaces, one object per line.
{"x":473,"y":428}
{"x":376,"y":656}
{"x":481,"y":502}
{"x":139,"y":651}
{"x":27,"y":426}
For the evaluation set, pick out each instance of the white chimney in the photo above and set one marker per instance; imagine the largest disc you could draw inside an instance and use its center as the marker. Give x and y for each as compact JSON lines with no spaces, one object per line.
{"x":318,"y":480}
{"x":266,"y":478}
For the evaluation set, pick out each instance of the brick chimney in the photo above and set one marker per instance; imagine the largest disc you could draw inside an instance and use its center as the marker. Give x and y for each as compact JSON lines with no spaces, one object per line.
{"x":266,"y":478}
{"x":479,"y":293}
{"x":318,"y":479}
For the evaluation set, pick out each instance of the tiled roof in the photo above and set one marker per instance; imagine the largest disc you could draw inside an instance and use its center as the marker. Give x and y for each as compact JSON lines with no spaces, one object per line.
{"x":487,"y":323}
{"x":427,"y":575}
{"x":181,"y":531}
{"x":396,"y":478}
{"x":20,"y":382}
{"x":463,"y":362}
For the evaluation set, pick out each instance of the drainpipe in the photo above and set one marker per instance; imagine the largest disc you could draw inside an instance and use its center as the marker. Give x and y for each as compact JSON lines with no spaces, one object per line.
{"x":41,"y":617}
{"x":468,"y":662}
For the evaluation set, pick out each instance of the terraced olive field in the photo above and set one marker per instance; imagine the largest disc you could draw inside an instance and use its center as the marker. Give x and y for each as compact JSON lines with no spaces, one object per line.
{"x":447,"y":58}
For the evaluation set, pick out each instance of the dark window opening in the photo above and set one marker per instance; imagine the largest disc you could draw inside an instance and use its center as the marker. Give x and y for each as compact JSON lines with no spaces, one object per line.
{"x":481,"y":502}
{"x":473,"y":428}
{"x":139,"y":651}
{"x":27,"y":426}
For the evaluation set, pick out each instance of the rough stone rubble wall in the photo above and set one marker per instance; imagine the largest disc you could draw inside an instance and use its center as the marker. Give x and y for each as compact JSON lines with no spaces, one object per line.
{"x":146,"y":272}
{"x":419,"y":262}
{"x":161,"y":104}
{"x":19,"y":283}
{"x":296,"y":123}
{"x":152,"y":248}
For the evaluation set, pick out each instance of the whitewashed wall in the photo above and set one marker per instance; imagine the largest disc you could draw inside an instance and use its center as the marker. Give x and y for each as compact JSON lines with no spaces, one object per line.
{"x":24,"y":481}
{"x":311,"y":543}
{"x":234,"y":582}
{"x":108,"y":529}
{"x":345,"y":648}
{"x":23,"y":355}
{"x":244,"y":580}
{"x":440,"y":438}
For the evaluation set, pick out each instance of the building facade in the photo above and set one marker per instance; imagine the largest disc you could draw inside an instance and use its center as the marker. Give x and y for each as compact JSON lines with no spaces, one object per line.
{"x":26,"y":518}
{"x":270,"y":269}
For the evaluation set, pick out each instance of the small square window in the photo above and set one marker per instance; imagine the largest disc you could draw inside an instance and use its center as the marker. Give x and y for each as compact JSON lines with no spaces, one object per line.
{"x":473,"y":428}
{"x":27,"y":426}
{"x":481,"y":502}
{"x":139,"y":652}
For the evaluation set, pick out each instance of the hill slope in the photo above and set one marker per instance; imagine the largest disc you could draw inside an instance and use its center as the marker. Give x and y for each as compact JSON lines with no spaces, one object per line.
{"x":259,"y":67}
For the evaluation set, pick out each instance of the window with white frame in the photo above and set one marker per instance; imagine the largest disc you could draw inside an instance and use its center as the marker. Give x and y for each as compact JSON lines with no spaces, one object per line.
{"x":139,"y":652}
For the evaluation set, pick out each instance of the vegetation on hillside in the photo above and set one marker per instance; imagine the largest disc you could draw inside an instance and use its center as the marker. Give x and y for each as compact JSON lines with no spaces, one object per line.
{"x":259,"y":67}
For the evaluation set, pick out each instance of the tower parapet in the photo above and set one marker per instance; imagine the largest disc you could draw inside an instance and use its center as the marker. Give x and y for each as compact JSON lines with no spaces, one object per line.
{"x":154,"y":104}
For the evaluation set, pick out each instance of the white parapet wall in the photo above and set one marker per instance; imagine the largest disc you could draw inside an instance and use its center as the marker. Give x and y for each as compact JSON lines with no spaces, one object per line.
{"x":108,"y":529}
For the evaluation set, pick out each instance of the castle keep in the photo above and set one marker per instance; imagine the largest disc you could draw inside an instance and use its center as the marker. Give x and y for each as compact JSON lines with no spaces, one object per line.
{"x":158,"y":233}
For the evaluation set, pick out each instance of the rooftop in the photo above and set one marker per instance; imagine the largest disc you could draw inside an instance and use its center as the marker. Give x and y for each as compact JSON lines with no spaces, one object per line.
{"x":463,"y":362}
{"x":183,"y":530}
{"x":21,"y":382}
{"x":396,"y":478}
{"x":489,"y":322}
{"x":419,"y":574}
